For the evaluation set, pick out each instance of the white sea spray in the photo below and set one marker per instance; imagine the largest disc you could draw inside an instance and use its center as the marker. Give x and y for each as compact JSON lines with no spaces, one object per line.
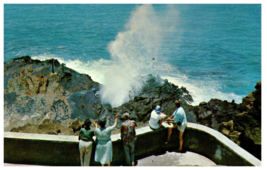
{"x":136,"y":51}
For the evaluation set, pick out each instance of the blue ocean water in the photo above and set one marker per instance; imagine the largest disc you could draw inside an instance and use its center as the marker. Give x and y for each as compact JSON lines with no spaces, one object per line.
{"x":214,"y":50}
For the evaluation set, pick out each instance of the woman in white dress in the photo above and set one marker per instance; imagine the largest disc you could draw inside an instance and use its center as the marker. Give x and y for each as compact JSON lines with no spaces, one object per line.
{"x":103,"y":153}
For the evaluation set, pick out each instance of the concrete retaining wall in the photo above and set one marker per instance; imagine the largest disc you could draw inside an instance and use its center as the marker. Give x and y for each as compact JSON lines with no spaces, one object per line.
{"x":40,"y":149}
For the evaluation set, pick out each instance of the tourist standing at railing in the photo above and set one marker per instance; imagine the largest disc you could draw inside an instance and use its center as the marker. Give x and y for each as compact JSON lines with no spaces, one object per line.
{"x":178,"y":118}
{"x":128,"y":137}
{"x":86,"y":143}
{"x":156,"y":118}
{"x":104,"y":152}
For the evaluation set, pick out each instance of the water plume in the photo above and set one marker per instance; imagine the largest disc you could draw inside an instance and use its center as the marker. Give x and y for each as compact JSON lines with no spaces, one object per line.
{"x":136,"y":51}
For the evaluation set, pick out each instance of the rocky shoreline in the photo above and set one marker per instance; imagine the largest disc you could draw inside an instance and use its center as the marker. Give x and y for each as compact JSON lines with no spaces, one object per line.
{"x":48,"y":97}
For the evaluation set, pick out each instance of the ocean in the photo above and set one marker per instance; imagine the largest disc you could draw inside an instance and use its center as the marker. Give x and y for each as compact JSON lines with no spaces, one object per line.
{"x":214,"y":50}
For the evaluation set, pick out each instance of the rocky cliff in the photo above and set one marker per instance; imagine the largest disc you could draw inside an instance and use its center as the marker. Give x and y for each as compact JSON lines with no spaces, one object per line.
{"x":239,"y":122}
{"x":41,"y":92}
{"x":47,"y":97}
{"x":46,"y":92}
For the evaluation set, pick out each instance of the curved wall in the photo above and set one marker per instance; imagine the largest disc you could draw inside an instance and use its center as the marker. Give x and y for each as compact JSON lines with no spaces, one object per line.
{"x":41,"y":149}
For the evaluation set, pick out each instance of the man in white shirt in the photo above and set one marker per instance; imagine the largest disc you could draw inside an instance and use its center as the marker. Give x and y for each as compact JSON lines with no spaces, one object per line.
{"x":156,"y":118}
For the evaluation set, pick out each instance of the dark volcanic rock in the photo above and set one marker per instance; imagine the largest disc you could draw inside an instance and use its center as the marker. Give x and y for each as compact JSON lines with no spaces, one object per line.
{"x":84,"y":104}
{"x":155,"y":92}
{"x":245,"y":120}
{"x":47,"y":91}
{"x":47,"y":97}
{"x":34,"y":94}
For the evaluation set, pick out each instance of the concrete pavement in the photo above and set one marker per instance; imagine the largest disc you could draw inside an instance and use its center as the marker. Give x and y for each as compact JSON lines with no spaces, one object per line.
{"x":176,"y":159}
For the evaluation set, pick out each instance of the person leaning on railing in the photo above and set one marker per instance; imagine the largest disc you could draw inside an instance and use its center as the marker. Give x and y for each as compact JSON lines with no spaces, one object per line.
{"x":86,"y":143}
{"x":103,"y":152}
{"x":128,"y":137}
{"x":179,"y":121}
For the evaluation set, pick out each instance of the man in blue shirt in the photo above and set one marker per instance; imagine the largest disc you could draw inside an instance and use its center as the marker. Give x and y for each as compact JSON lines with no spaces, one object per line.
{"x":179,"y":121}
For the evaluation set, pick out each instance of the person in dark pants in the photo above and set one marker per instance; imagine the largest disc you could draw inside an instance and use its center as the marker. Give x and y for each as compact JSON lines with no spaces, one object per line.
{"x":128,"y":137}
{"x":86,"y":143}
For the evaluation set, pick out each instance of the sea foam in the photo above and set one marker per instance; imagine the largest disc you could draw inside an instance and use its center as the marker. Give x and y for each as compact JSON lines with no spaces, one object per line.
{"x":199,"y":90}
{"x":203,"y":90}
{"x":136,"y":51}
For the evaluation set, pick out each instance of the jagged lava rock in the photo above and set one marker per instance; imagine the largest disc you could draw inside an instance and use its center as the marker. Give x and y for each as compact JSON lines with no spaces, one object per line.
{"x":47,"y":93}
{"x":37,"y":91}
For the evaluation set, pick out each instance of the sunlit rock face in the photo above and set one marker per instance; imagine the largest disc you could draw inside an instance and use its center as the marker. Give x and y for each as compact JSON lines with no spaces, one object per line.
{"x":46,"y":91}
